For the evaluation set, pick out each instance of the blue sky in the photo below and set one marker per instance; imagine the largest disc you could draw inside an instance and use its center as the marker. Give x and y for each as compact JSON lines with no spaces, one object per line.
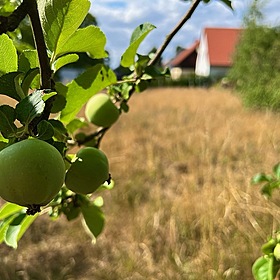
{"x":117,"y":19}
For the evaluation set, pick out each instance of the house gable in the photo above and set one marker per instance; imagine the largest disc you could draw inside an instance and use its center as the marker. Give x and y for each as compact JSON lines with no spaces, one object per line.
{"x":210,"y":56}
{"x":186,"y":59}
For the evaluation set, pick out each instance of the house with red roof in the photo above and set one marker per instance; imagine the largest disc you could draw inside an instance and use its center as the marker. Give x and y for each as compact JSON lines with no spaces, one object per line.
{"x":184,"y":62}
{"x":211,"y":56}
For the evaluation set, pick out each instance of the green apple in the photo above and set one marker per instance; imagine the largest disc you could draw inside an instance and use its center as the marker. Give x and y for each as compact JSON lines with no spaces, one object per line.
{"x":101,"y":111}
{"x":31,"y":173}
{"x":89,"y":171}
{"x":276,"y":251}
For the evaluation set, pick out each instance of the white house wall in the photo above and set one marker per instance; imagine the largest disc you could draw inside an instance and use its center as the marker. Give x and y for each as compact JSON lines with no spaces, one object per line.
{"x":202,"y":67}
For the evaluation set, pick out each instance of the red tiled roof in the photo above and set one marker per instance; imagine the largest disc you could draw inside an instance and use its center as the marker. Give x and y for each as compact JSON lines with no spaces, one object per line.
{"x":221,"y":45}
{"x":184,"y":54}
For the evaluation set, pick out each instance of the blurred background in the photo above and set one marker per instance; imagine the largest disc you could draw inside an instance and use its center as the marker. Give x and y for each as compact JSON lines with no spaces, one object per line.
{"x":183,"y":206}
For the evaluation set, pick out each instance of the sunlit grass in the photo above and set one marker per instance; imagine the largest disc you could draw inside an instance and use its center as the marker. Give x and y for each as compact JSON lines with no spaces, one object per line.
{"x":183,"y":206}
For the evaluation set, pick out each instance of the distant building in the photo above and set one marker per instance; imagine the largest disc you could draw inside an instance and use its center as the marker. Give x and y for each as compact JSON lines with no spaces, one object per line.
{"x":185,"y":62}
{"x":215,"y":51}
{"x":211,"y":56}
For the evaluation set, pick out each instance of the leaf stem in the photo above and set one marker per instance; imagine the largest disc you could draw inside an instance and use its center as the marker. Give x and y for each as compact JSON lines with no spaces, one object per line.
{"x":170,"y":36}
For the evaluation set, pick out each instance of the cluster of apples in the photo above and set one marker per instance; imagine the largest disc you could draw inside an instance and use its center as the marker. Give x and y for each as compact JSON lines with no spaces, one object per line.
{"x":33,"y":171}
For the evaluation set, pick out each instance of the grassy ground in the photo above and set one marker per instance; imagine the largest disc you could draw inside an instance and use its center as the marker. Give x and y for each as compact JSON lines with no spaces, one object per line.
{"x":183,"y":206}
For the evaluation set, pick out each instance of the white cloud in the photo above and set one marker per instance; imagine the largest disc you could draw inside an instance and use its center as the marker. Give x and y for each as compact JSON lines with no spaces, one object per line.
{"x":119,"y":18}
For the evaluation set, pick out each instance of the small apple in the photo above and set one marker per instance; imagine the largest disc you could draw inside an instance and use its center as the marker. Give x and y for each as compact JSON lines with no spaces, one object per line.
{"x":31,"y":173}
{"x":276,"y":251}
{"x":101,"y":111}
{"x":89,"y":171}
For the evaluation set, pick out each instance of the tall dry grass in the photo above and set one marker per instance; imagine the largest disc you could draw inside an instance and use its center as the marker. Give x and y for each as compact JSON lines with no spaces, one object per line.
{"x":183,"y":206}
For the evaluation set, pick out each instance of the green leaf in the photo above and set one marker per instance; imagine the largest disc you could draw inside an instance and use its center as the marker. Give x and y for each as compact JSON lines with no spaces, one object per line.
{"x":45,"y":130}
{"x":8,"y":85}
{"x":260,"y":178}
{"x":3,"y":139}
{"x":276,"y":170}
{"x":94,"y":219}
{"x":269,"y":187}
{"x":141,"y":63}
{"x":260,"y":268}
{"x":7,"y":7}
{"x":3,"y":142}
{"x":139,"y":34}
{"x":60,"y":19}
{"x":60,"y":146}
{"x":14,"y":226}
{"x":8,"y":209}
{"x":58,"y":126}
{"x":13,"y":230}
{"x":8,"y":55}
{"x":60,"y":99}
{"x":155,"y":72}
{"x":126,"y":89}
{"x":25,"y":224}
{"x":18,"y":87}
{"x":142,"y":85}
{"x":60,"y":132}
{"x":273,"y":268}
{"x":76,"y":124}
{"x":28,"y":79}
{"x":124,"y":107}
{"x":3,"y":145}
{"x":94,"y":43}
{"x":64,"y":60}
{"x":48,"y":94}
{"x":84,"y":87}
{"x":4,"y":225}
{"x":71,"y":211}
{"x":7,"y":117}
{"x":30,"y":107}
{"x":28,"y":59}
{"x":276,"y":268}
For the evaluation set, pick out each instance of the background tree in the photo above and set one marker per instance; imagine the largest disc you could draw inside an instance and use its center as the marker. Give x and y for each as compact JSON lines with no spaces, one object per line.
{"x":179,"y":49}
{"x":256,"y":68}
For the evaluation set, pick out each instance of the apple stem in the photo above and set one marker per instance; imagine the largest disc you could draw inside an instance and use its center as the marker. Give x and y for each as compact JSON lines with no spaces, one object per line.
{"x":32,"y":209}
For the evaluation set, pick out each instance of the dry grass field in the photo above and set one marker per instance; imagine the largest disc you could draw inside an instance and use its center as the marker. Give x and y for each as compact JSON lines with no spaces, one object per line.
{"x":182,"y":207}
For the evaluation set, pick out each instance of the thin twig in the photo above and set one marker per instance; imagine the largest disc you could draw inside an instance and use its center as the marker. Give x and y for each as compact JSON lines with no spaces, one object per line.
{"x":99,"y":133}
{"x":11,"y":22}
{"x":45,"y":70}
{"x":170,"y":36}
{"x":44,"y":61}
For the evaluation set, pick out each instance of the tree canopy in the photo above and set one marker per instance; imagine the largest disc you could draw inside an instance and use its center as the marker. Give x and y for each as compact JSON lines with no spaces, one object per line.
{"x":256,"y":65}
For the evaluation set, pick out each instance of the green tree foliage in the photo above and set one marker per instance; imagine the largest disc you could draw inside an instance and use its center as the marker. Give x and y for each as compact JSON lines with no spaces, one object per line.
{"x":7,"y":7}
{"x":256,"y":68}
